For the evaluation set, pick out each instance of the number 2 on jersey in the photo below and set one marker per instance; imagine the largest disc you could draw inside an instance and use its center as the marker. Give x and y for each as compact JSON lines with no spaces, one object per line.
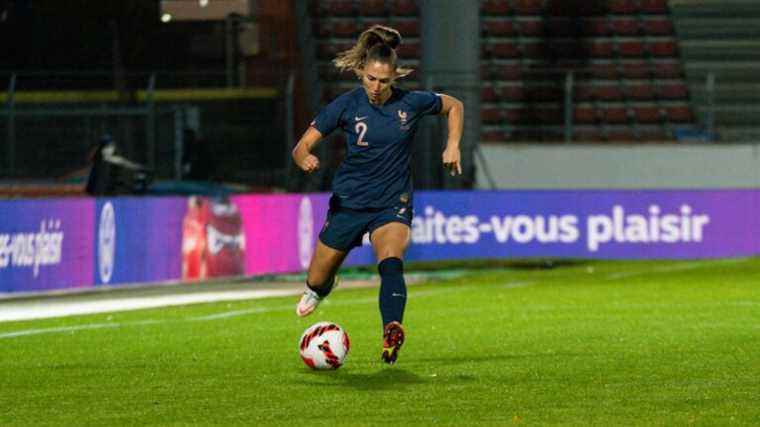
{"x":361,"y":129}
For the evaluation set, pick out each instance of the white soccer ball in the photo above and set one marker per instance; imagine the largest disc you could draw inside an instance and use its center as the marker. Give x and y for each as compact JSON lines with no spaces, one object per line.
{"x":324,"y":345}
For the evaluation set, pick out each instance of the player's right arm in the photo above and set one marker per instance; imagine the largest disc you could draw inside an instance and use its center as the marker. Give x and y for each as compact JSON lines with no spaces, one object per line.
{"x":302,"y":152}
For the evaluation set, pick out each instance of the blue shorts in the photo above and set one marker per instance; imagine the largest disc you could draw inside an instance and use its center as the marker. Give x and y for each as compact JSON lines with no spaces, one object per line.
{"x":344,"y":228}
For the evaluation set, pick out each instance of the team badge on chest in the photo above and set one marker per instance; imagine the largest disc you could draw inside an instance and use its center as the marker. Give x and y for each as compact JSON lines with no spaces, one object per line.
{"x":402,"y":117}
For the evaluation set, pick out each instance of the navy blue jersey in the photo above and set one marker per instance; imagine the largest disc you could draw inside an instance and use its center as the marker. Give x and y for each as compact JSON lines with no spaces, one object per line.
{"x":376,"y":170}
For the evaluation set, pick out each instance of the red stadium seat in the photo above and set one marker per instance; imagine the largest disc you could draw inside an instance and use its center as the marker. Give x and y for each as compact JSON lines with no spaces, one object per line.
{"x":663,"y":48}
{"x":640,"y":92}
{"x":584,"y":115}
{"x":653,"y":6}
{"x":347,"y":29}
{"x":626,"y":27}
{"x":600,"y":49}
{"x":597,"y":27}
{"x":637,"y":70}
{"x":680,"y":114}
{"x":667,"y":70}
{"x":622,"y":7}
{"x":492,"y":115}
{"x":673,"y":91}
{"x":403,"y":7}
{"x":408,"y":50}
{"x":536,"y":50}
{"x":615,"y":115}
{"x":528,"y":7}
{"x":496,"y":7}
{"x":320,"y":29}
{"x":532,"y":28}
{"x":372,"y":8}
{"x":407,"y":28}
{"x":337,"y":8}
{"x":488,"y":94}
{"x":647,"y":114}
{"x":604,"y":71}
{"x":652,"y":135}
{"x":607,"y":93}
{"x":501,"y":72}
{"x":512,"y":93}
{"x":631,"y":48}
{"x":583,"y":93}
{"x":658,"y":27}
{"x":544,"y":93}
{"x":498,"y":28}
{"x":500,"y":50}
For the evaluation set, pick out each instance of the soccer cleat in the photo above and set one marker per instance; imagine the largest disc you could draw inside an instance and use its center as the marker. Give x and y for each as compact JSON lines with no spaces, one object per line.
{"x":310,"y":300}
{"x":393,"y":339}
{"x":308,"y":303}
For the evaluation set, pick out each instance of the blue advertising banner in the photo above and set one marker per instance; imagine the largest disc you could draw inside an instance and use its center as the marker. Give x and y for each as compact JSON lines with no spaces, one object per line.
{"x":581,"y":224}
{"x":138,"y":239}
{"x":45,"y":244}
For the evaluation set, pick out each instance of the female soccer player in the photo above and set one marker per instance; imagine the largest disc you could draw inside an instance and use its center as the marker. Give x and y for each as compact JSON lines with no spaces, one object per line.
{"x":372,"y":188}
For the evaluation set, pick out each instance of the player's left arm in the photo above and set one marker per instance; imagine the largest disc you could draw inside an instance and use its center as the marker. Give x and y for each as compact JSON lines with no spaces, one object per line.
{"x":454,"y":109}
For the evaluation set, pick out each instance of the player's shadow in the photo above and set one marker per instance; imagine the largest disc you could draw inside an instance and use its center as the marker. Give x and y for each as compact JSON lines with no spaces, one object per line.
{"x":385,"y":378}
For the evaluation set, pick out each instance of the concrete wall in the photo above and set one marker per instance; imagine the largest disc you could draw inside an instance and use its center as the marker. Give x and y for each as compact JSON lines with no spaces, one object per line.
{"x":520,"y":166}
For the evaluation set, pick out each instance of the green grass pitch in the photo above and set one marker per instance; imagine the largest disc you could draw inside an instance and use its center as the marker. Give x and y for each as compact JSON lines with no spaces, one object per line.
{"x":596,"y":343}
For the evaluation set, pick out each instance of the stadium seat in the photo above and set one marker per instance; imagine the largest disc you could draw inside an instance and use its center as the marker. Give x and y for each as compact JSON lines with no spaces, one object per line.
{"x":372,"y":8}
{"x":403,"y":7}
{"x":680,"y":114}
{"x":492,"y":115}
{"x":534,"y":50}
{"x":511,"y":93}
{"x":647,"y":114}
{"x":658,"y":27}
{"x":600,"y":49}
{"x":337,"y":8}
{"x":531,"y":28}
{"x":633,"y":48}
{"x":528,"y":7}
{"x":606,"y":71}
{"x":501,"y":72}
{"x":488,"y":94}
{"x":596,"y":27}
{"x":653,"y":6}
{"x":498,"y":28}
{"x":500,"y":50}
{"x":496,"y":7}
{"x":615,"y":115}
{"x":409,"y":50}
{"x":640,"y":92}
{"x":607,"y":93}
{"x":407,"y":28}
{"x":622,"y":7}
{"x":667,"y":70}
{"x":673,"y":91}
{"x":637,"y":70}
{"x":562,"y":28}
{"x":346,"y":29}
{"x":663,"y":48}
{"x":587,"y":134}
{"x":657,"y":134}
{"x":584,"y":115}
{"x":626,"y":27}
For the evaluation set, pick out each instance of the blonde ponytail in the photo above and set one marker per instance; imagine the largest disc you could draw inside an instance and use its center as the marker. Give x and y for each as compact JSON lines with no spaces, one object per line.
{"x":354,"y":59}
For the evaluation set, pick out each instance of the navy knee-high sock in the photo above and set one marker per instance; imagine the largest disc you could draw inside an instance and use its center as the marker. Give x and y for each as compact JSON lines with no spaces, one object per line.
{"x":323,"y":290}
{"x":392,"y":290}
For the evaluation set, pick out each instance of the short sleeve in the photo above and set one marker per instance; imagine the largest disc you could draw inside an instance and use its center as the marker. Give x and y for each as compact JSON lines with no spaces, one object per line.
{"x":428,"y":102}
{"x":329,"y":117}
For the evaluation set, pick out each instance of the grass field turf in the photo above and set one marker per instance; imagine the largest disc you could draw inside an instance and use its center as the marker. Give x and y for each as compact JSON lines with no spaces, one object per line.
{"x":598,"y":343}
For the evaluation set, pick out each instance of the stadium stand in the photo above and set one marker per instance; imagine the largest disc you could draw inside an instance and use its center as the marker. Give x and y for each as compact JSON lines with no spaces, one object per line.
{"x":721,"y":37}
{"x":628,"y":79}
{"x":629,"y":82}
